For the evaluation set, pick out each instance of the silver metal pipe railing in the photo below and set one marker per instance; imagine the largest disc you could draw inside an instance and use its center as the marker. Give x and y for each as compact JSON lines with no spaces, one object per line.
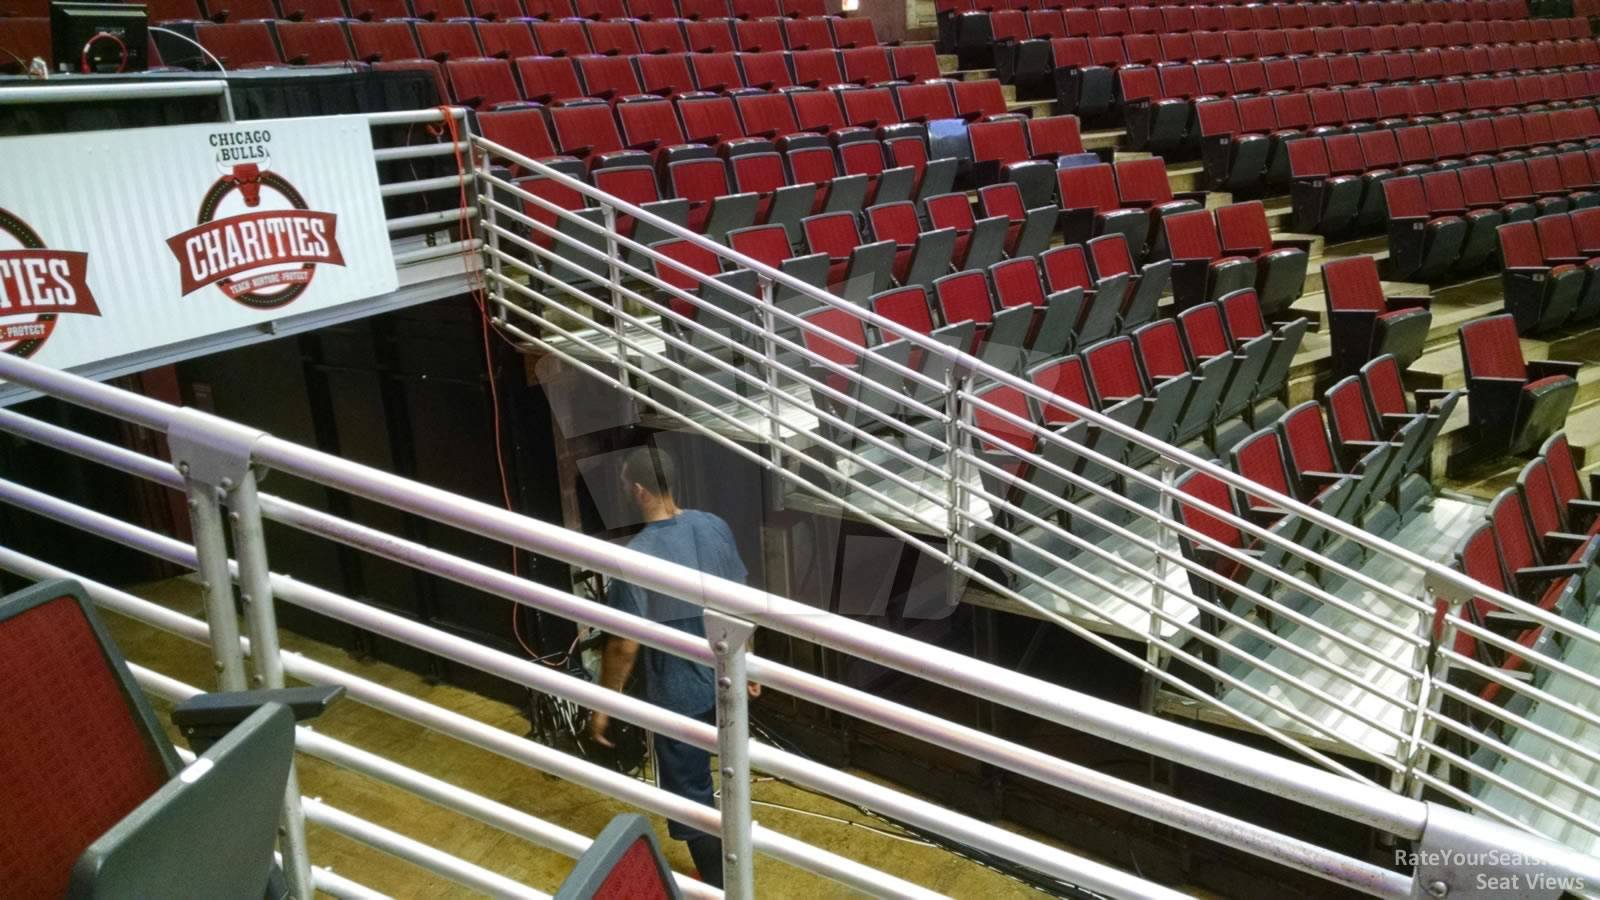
{"x":751,"y":404}
{"x":600,"y":305}
{"x":1409,"y":632}
{"x":1023,"y":850}
{"x":808,"y":687}
{"x":421,"y":712}
{"x":1243,"y":523}
{"x":1136,"y":729}
{"x":754,"y":329}
{"x":990,"y":373}
{"x":1413,"y":669}
{"x":1292,"y":548}
{"x":151,"y":90}
{"x":666,"y":313}
{"x":706,"y":407}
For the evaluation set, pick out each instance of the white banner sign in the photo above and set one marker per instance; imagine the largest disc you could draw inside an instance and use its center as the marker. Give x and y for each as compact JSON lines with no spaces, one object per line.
{"x":121,"y":242}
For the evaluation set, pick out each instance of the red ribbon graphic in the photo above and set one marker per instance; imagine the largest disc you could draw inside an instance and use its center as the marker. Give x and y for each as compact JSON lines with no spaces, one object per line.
{"x":223,"y":249}
{"x":36,"y":282}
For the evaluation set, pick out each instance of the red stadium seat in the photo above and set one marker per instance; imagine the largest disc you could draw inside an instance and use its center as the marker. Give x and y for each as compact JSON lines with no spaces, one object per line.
{"x":1363,"y":323}
{"x":239,"y":45}
{"x":314,"y":43}
{"x":548,"y":79}
{"x":506,"y":40}
{"x":1514,"y":405}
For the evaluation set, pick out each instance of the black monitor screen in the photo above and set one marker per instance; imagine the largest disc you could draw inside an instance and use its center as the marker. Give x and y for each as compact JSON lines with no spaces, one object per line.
{"x":99,"y":37}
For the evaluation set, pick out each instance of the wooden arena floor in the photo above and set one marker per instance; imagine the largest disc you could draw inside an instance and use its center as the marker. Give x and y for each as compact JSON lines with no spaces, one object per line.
{"x":525,"y":789}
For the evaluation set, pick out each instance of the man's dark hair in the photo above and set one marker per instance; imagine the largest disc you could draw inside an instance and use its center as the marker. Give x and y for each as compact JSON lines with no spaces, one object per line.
{"x":650,"y":468}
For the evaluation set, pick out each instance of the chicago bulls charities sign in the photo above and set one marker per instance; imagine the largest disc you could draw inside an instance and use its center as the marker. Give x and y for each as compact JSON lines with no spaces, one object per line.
{"x":37,"y":285}
{"x":264,"y":257}
{"x":185,"y":239}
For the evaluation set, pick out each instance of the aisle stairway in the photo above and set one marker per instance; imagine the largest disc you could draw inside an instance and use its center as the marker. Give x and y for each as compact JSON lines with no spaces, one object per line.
{"x":1341,"y":677}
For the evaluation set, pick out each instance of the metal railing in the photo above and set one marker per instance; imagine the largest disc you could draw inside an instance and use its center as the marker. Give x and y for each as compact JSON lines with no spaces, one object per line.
{"x":1332,"y":654}
{"x":219,"y":463}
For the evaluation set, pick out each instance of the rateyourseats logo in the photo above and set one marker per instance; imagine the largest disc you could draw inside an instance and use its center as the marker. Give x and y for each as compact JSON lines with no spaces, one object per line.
{"x":38,"y":285}
{"x":256,"y":239}
{"x":1488,"y":872}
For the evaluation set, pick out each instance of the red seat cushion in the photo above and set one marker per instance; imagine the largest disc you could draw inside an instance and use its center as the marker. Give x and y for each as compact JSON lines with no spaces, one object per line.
{"x":74,"y":758}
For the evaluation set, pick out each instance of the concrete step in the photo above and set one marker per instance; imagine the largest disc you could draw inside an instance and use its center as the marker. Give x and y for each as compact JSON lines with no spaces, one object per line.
{"x":1037,"y":108}
{"x":949,"y":64}
{"x":1096,"y":141}
{"x":1184,"y":176}
{"x":1278,"y":212}
{"x":1583,"y":433}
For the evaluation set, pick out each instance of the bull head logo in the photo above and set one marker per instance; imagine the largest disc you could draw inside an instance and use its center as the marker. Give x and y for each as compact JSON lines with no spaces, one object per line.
{"x":247,"y":177}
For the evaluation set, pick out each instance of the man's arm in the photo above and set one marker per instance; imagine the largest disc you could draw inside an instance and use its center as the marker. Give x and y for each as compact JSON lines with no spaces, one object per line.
{"x":616,"y":664}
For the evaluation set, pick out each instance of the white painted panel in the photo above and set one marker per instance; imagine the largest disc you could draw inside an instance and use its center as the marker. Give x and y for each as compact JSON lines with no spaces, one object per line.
{"x":125,"y":242}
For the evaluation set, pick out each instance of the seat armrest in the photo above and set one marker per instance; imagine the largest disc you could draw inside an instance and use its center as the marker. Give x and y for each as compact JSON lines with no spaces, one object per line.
{"x":206,"y":718}
{"x":1501,"y":619}
{"x":1544,"y":368}
{"x":1566,"y":538}
{"x":1534,"y":576}
{"x":1590,"y":508}
{"x":1327,"y":477}
{"x":1427,"y":395}
{"x":1370,"y":445}
{"x":1264,"y":515}
{"x":1395,"y":421}
{"x":229,"y":708}
{"x":1395,"y":303}
{"x":1283,"y":242}
{"x":1351,"y":452}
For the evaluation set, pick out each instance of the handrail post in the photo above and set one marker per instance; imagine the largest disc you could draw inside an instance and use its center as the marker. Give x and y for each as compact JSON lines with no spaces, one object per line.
{"x":769,"y":349}
{"x":1158,"y":589}
{"x":1433,"y":669}
{"x":954,"y":440}
{"x":490,"y":224}
{"x":1419,"y":693}
{"x":214,"y":455}
{"x":255,"y":585}
{"x":216,"y":584}
{"x":614,"y":285}
{"x":210,"y":455}
{"x":729,"y":638}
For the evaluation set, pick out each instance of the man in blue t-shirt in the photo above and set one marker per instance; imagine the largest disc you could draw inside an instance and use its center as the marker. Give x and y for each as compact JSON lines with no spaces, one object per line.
{"x":701,"y":541}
